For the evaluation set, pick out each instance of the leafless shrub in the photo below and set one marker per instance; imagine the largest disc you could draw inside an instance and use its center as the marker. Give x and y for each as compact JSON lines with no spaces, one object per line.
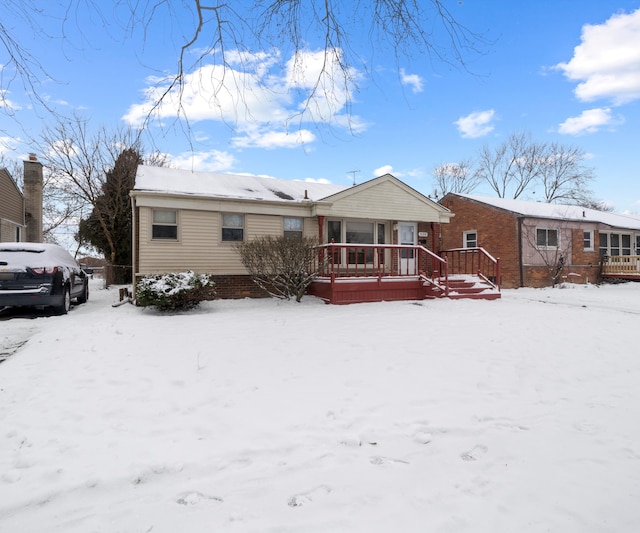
{"x":283,"y":267}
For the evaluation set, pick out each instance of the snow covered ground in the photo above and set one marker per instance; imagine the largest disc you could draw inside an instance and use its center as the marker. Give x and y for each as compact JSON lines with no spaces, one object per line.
{"x":517,"y":415}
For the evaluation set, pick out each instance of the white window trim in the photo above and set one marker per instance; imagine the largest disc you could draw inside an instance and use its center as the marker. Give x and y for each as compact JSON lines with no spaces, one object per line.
{"x":284,"y":230}
{"x":547,"y":247}
{"x":176,"y":225}
{"x":464,"y":238}
{"x":591,"y":240}
{"x":223,"y":227}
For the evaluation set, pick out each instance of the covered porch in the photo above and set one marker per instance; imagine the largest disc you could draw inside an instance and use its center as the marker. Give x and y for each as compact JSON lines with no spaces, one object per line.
{"x":357,"y":273}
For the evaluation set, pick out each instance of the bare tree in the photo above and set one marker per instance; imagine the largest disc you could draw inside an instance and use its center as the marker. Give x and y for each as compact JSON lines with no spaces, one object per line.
{"x":521,"y":165}
{"x":231,"y":33}
{"x":552,"y":244}
{"x":77,"y":161}
{"x":14,"y":168}
{"x":564,"y":177}
{"x":512,"y":167}
{"x":460,"y":178}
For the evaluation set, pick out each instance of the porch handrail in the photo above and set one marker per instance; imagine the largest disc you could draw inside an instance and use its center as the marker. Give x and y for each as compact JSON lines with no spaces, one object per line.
{"x":621,"y":264}
{"x":359,"y":260}
{"x":476,"y":261}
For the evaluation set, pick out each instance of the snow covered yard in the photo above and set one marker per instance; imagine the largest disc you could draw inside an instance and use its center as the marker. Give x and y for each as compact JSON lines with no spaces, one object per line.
{"x":521,"y":414}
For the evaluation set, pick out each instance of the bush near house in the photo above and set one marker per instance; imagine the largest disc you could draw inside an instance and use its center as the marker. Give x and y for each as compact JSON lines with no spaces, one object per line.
{"x":282,"y":266}
{"x":175,"y":291}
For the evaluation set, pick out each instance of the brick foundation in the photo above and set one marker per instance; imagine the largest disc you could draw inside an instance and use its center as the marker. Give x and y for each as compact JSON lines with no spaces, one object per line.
{"x":237,"y":286}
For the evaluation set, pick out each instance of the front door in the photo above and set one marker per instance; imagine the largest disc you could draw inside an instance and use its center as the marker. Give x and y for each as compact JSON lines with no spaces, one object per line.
{"x":407,"y":234}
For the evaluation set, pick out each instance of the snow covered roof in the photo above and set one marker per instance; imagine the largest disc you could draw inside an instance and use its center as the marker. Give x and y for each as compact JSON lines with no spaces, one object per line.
{"x":171,"y":180}
{"x":559,"y":211}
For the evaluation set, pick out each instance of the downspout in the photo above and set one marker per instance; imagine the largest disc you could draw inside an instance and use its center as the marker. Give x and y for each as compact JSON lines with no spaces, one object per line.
{"x":520,"y":252}
{"x":134,"y":248}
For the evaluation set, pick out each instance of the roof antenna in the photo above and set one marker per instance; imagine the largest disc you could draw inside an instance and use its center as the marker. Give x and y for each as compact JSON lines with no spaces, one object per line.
{"x":353,"y":175}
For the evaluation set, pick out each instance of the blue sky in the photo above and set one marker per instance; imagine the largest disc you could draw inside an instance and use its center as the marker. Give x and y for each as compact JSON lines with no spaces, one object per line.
{"x":566,"y":71}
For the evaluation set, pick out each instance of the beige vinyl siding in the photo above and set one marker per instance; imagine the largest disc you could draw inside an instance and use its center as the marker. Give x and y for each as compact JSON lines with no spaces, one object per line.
{"x":262,"y":225}
{"x":310,"y":227}
{"x":11,"y":201}
{"x":384,"y":201}
{"x":7,"y":231}
{"x":199,"y":246}
{"x":193,"y":250}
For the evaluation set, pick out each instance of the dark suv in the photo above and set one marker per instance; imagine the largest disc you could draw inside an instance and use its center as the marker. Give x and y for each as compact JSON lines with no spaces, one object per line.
{"x":34,"y":274}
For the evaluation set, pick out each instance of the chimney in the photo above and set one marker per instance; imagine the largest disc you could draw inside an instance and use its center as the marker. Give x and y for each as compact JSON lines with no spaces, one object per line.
{"x":33,"y":198}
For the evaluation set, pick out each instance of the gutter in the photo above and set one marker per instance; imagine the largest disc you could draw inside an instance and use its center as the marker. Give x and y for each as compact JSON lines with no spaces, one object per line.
{"x":520,"y":220}
{"x":134,"y":250}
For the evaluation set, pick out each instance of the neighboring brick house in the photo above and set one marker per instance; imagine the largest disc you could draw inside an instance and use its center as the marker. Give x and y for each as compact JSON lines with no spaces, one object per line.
{"x":530,"y":237}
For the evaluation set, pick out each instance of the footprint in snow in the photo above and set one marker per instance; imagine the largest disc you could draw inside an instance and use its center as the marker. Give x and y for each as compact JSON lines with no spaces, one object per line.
{"x":305,"y":498}
{"x":194,"y":497}
{"x":378,"y":460}
{"x":475,"y":453}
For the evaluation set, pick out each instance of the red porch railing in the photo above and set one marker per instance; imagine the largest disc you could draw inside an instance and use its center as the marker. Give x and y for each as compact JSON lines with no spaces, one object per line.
{"x":340,"y":260}
{"x":473,"y":261}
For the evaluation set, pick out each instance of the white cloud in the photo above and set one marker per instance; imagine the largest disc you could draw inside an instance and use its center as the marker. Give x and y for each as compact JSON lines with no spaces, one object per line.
{"x":607,"y":62}
{"x":254,"y":95}
{"x":589,"y":121}
{"x":476,"y":124}
{"x":413,"y":80}
{"x":385,"y":169}
{"x":273,"y":139}
{"x":8,"y":144}
{"x":8,"y":104}
{"x":213,"y":161}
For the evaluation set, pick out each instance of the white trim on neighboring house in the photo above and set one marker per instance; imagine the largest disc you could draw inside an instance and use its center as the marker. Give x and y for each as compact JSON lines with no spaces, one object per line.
{"x":466,"y":240}
{"x":547,"y":238}
{"x":588,"y":244}
{"x":616,"y":243}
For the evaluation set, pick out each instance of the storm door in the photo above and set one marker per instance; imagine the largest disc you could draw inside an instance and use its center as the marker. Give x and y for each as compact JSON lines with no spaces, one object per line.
{"x":407,"y":235}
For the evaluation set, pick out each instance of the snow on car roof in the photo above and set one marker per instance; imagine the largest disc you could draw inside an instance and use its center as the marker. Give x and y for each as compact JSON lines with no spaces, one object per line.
{"x":35,"y":254}
{"x":171,"y":180}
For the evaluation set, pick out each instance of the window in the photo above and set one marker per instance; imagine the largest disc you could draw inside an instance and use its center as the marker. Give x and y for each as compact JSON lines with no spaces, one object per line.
{"x":334,"y":234}
{"x":470,"y":239}
{"x":232,"y":227}
{"x":381,"y":232}
{"x":293,"y":228}
{"x":547,"y":238}
{"x":357,"y":232}
{"x":587,"y":241}
{"x":165,"y":224}
{"x":604,"y":244}
{"x":615,"y":244}
{"x":360,"y":233}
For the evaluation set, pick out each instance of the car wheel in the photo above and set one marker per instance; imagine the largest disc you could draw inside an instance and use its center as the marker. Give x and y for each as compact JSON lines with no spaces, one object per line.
{"x":63,"y":309}
{"x":85,"y":294}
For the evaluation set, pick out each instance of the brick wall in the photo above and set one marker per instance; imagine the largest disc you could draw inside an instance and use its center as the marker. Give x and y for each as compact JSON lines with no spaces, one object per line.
{"x":236,"y":286}
{"x":497,"y":233}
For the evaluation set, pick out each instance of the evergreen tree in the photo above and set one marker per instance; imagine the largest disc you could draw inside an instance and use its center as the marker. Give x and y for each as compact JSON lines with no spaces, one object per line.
{"x":109,"y":226}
